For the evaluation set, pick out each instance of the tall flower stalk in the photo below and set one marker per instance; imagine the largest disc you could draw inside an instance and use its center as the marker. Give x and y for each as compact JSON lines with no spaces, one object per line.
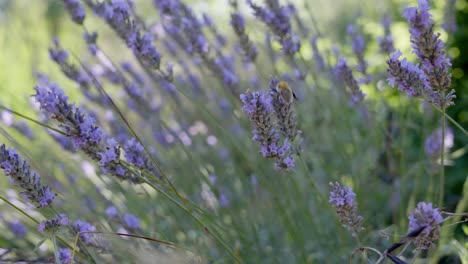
{"x":431,"y":79}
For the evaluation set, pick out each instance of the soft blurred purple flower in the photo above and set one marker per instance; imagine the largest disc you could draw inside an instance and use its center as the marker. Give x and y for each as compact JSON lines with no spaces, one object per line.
{"x":112,"y":212}
{"x":131,"y":221}
{"x":344,"y":73}
{"x":76,"y":10}
{"x":83,"y":226}
{"x":65,"y":256}
{"x":17,"y":228}
{"x":51,"y":226}
{"x":433,"y":143}
{"x":344,"y":201}
{"x":429,"y":217}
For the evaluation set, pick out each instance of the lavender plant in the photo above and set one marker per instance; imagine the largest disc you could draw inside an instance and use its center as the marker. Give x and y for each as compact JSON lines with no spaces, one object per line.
{"x":167,"y":152}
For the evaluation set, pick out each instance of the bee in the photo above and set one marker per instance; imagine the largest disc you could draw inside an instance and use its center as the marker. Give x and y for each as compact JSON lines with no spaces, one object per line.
{"x":285,"y":92}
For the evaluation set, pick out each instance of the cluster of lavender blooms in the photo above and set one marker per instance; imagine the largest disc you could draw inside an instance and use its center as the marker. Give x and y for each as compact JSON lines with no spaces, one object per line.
{"x":249,"y":49}
{"x":27,"y":179}
{"x":277,"y":18}
{"x":65,"y":255}
{"x":51,"y":226}
{"x":129,"y":221}
{"x":344,"y":200}
{"x":271,"y":112}
{"x":431,"y":79}
{"x":86,"y":135}
{"x":358,"y":44}
{"x":428,"y":217}
{"x":76,"y":10}
{"x":119,"y":16}
{"x":386,"y":41}
{"x":263,"y":109}
{"x":344,"y":73}
{"x":433,"y":144}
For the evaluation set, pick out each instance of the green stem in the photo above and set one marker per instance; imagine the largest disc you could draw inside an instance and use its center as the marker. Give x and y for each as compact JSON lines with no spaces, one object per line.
{"x":31,"y":119}
{"x":442,"y":168}
{"x":200,"y":222}
{"x":455,"y":123}
{"x":56,"y":250}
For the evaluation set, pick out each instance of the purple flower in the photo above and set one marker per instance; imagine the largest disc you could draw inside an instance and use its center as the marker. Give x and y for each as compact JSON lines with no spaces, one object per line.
{"x":425,"y":215}
{"x":65,"y":256}
{"x":386,"y":41}
{"x":112,"y":212}
{"x":82,"y":129}
{"x":135,"y":153}
{"x":76,"y":10}
{"x":282,"y":99}
{"x":142,"y":47}
{"x":318,"y":58}
{"x":51,"y":226}
{"x":257,"y":106}
{"x":18,"y":229}
{"x":433,"y":143}
{"x":111,"y":154}
{"x":277,"y":18}
{"x":248,"y":48}
{"x":344,"y":201}
{"x":28,"y":180}
{"x":406,"y":76}
{"x":359,"y":46}
{"x":131,"y":221}
{"x":118,"y":15}
{"x":344,"y":73}
{"x":430,"y":51}
{"x":80,"y":226}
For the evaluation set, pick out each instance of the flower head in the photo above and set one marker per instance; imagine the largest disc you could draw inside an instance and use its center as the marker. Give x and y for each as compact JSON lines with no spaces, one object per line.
{"x":344,"y":73}
{"x":51,"y":226}
{"x":76,"y":10}
{"x":425,"y":215}
{"x":85,"y":230}
{"x":344,"y":201}
{"x":65,"y":255}
{"x":433,"y":143}
{"x":28,"y":180}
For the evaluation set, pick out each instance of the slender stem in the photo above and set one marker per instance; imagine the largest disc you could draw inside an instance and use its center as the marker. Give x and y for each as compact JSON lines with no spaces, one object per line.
{"x":455,"y":123}
{"x":56,"y":250}
{"x":442,"y":167}
{"x":200,"y":222}
{"x":31,"y":119}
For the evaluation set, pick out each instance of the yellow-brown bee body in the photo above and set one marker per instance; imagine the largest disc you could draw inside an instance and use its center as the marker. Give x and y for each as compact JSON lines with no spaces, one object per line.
{"x":285,"y":91}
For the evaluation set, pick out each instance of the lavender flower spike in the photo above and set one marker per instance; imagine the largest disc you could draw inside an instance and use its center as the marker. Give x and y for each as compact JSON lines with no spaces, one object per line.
{"x":238,"y":24}
{"x":82,"y":129}
{"x":406,"y":76}
{"x":433,"y":143}
{"x":430,"y":51}
{"x":257,"y":106}
{"x":344,"y":201}
{"x":282,"y":102}
{"x":51,"y":226}
{"x":345,"y":73}
{"x":76,"y":10}
{"x":425,"y":215}
{"x":386,"y":41}
{"x":22,"y":175}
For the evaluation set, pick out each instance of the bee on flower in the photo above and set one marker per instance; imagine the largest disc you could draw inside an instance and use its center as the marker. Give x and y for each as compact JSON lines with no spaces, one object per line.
{"x":283,"y":89}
